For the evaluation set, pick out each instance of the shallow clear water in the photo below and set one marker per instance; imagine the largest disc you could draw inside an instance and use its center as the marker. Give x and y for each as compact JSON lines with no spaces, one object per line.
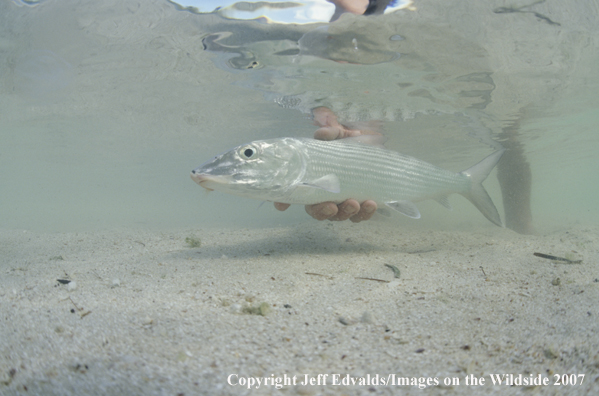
{"x":106,"y":106}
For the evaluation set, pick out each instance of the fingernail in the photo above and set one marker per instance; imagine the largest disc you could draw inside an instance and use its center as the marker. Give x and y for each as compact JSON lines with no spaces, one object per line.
{"x":347,"y":210}
{"x":327,"y":211}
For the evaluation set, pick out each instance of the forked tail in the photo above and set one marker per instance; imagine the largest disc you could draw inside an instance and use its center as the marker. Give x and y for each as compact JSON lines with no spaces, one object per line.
{"x":477,"y":194}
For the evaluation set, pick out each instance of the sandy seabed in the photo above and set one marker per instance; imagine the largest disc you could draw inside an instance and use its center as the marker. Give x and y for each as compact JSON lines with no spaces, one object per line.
{"x":146,"y":313}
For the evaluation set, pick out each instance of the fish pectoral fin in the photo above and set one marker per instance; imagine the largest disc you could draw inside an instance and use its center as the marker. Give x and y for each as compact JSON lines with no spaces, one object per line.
{"x":444,"y":201}
{"x":328,"y":183}
{"x":384,"y":212}
{"x":406,"y":208}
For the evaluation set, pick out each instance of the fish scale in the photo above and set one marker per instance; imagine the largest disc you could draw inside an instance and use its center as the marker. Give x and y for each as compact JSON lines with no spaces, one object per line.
{"x":394,"y":176}
{"x":307,"y":171}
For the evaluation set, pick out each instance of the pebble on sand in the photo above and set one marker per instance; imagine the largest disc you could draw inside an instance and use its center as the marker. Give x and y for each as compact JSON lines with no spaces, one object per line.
{"x":72,"y":286}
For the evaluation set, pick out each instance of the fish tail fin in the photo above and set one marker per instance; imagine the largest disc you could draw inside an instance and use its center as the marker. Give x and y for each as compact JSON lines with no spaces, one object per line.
{"x":477,"y":193}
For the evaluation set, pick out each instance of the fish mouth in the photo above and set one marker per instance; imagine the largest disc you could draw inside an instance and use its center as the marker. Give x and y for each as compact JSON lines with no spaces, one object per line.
{"x":205,"y":180}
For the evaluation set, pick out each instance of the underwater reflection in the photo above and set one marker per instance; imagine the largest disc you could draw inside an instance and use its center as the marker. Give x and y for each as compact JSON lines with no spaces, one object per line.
{"x":29,"y":3}
{"x":296,"y":12}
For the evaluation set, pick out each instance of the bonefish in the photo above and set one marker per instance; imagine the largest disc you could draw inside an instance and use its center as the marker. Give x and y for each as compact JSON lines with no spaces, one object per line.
{"x":307,"y":171}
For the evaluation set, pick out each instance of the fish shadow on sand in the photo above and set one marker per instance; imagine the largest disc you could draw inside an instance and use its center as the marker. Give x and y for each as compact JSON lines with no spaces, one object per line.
{"x":289,"y":243}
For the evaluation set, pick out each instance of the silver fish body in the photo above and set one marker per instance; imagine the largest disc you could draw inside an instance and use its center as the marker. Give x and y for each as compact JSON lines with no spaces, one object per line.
{"x":307,"y":171}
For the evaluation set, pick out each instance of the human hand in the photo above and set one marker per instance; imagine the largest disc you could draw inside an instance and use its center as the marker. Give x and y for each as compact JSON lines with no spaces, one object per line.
{"x":357,"y":7}
{"x":331,"y":129}
{"x":349,"y":209}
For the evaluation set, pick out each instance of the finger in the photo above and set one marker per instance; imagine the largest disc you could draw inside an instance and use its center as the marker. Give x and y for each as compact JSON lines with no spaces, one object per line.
{"x":281,"y":206}
{"x":367,"y":210}
{"x":324,"y":117}
{"x":346,"y":210}
{"x":322,"y":211}
{"x":329,"y":133}
{"x":347,"y":132}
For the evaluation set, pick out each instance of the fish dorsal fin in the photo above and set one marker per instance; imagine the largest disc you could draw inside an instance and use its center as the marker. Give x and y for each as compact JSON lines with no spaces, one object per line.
{"x":444,"y":201}
{"x":370,"y":140}
{"x":406,"y":208}
{"x":328,"y":183}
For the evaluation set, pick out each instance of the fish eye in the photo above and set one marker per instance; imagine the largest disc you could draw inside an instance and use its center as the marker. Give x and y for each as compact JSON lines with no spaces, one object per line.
{"x":248,"y":152}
